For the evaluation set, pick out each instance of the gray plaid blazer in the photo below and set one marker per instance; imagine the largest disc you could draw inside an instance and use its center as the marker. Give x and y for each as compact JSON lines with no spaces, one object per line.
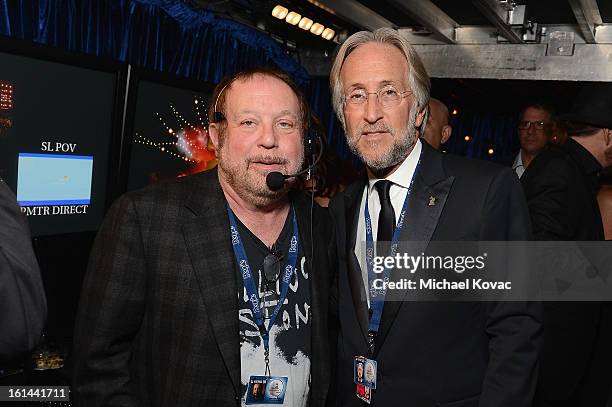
{"x":158,"y":317}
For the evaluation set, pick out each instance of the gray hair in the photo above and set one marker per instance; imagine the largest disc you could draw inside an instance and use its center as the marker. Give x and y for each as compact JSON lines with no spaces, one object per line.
{"x":418,"y":79}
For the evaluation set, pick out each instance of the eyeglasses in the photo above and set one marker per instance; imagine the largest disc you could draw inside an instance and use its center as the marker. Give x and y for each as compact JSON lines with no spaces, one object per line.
{"x":388,"y":96}
{"x":526,"y":125}
{"x":271,"y":266}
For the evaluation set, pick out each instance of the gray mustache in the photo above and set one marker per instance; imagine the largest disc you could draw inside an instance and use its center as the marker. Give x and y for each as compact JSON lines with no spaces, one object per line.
{"x":382,"y":128}
{"x":267,"y":159}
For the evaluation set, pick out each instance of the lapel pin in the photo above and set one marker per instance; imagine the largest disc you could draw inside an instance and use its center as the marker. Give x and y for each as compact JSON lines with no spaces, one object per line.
{"x":432,"y":201}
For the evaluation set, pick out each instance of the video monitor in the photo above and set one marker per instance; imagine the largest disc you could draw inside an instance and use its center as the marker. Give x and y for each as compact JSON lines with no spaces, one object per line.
{"x":56,"y":129}
{"x":54,"y":180}
{"x":168,"y":132}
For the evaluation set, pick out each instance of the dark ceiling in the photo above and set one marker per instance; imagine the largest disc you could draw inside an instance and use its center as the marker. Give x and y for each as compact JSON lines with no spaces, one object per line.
{"x":257,"y":13}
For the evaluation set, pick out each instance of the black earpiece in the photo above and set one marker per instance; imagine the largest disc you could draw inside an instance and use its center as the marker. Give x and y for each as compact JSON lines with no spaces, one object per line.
{"x":218,"y":117}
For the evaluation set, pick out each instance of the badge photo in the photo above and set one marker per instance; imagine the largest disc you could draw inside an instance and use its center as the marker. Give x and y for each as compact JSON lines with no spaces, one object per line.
{"x":266,"y":390}
{"x":256,"y":389}
{"x":358,"y":369}
{"x":365,"y":371}
{"x":370,"y":368}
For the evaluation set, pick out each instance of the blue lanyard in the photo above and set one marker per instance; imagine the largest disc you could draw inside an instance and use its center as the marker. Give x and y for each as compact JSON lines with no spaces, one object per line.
{"x":377,"y":297}
{"x":249,"y":282}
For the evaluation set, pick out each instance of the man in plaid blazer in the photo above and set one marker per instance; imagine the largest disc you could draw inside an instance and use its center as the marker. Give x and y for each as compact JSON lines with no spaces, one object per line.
{"x":162,"y":321}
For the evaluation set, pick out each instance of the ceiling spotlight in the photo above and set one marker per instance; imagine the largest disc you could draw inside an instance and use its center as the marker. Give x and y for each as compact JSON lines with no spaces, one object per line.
{"x":317,"y":29}
{"x":328,"y":34}
{"x":280,"y":12}
{"x":293,"y":18}
{"x":305,"y":23}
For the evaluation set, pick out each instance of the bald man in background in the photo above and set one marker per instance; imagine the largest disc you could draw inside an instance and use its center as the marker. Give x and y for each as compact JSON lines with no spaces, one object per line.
{"x":438,"y":129}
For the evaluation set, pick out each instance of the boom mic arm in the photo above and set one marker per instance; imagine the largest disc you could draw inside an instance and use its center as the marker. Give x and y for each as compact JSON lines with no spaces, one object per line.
{"x":275,"y":180}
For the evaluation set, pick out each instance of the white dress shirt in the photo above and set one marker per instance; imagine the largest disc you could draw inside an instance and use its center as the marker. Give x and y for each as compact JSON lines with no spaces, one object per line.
{"x":401,"y":179}
{"x":518,"y":166}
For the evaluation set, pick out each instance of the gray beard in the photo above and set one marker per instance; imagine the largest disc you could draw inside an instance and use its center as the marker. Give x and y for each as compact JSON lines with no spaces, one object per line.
{"x":252,"y":189}
{"x":401,"y":147}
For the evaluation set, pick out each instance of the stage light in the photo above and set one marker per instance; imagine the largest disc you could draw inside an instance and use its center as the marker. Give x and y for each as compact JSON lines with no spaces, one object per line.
{"x":328,"y":34}
{"x":467,"y":138}
{"x":491,"y":151}
{"x":280,"y":12}
{"x":317,"y":29}
{"x":293,"y":18}
{"x":305,"y":23}
{"x":455,"y":112}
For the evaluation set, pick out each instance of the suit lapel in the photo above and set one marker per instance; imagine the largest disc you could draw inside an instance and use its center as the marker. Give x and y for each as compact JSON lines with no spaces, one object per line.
{"x":430,"y":191}
{"x":209,"y":246}
{"x":352,"y":204}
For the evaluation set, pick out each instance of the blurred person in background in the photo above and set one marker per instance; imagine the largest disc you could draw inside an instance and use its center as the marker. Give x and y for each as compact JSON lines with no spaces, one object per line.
{"x":438,"y":129}
{"x":604,"y":199}
{"x":23,"y":306}
{"x":535,"y":129}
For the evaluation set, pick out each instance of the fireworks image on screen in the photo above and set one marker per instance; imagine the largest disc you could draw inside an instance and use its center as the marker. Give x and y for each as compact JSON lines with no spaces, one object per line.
{"x":186,"y":141}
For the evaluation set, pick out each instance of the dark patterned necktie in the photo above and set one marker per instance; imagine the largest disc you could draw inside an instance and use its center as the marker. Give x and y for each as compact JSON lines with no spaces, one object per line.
{"x":386,"y":217}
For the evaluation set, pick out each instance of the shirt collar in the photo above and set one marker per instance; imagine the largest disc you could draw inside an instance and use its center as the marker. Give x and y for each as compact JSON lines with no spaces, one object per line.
{"x":518,"y":161}
{"x":404,"y":173}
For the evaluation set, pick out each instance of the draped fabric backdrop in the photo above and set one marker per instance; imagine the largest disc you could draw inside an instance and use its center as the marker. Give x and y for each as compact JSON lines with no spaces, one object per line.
{"x":164,"y":35}
{"x":486,"y":130}
{"x":169,"y":36}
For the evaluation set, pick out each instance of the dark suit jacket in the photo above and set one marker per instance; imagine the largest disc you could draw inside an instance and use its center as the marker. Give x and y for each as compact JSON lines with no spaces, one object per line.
{"x":560,"y":186}
{"x":442,"y":354}
{"x":158,"y":319}
{"x":23,"y":307}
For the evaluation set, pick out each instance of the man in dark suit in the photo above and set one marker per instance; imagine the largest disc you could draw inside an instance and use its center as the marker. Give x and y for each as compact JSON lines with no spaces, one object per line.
{"x":200,"y":289}
{"x":433,"y":353}
{"x":561,"y":186}
{"x":23,"y":307}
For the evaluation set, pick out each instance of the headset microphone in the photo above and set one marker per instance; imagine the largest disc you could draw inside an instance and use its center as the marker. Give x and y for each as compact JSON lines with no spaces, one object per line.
{"x":276,"y":180}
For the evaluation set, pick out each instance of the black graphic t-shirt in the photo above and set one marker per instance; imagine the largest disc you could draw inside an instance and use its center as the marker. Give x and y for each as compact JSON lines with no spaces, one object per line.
{"x":290,"y":348}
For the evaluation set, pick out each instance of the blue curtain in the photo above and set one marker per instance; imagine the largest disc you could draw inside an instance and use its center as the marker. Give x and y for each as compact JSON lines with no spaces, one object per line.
{"x":164,"y":35}
{"x":486,"y":130}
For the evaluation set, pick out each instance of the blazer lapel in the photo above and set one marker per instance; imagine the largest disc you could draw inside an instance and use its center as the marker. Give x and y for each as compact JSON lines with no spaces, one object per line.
{"x":352,"y":204}
{"x":209,"y":246}
{"x":429,"y":193}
